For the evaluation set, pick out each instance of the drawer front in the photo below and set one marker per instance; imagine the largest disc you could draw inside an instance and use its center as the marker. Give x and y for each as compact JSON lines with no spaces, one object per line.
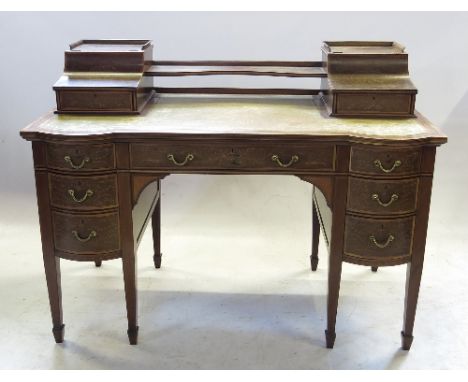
{"x":78,"y":157}
{"x":284,"y":158}
{"x":86,"y":234}
{"x":378,"y":238}
{"x":382,"y":196}
{"x":374,"y":104}
{"x":83,"y":192}
{"x":274,"y":157}
{"x":385,"y":162}
{"x":84,"y":100}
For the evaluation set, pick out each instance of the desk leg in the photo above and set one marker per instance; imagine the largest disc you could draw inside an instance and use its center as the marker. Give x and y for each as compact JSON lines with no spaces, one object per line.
{"x":315,"y":238}
{"x":128,"y":254}
{"x":51,"y":262}
{"x":336,"y":251}
{"x":156,"y":226}
{"x":415,"y":267}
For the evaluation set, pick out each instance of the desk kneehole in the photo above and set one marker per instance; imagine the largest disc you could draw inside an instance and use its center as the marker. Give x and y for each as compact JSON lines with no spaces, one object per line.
{"x":379,"y":242}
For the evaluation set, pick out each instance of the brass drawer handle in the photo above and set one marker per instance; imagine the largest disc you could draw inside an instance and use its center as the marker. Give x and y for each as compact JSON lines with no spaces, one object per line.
{"x":390,"y":238}
{"x":378,"y":164}
{"x":393,"y":198}
{"x":87,"y":194}
{"x":91,"y":235}
{"x":76,"y":166}
{"x":188,"y":158}
{"x":275,"y":158}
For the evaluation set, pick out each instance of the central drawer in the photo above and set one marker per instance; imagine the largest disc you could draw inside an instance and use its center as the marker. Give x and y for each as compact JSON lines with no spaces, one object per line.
{"x":86,"y":234}
{"x":269,"y":157}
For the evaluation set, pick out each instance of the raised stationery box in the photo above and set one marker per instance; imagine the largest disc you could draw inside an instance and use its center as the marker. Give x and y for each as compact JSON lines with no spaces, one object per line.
{"x":105,"y":77}
{"x":367,"y":79}
{"x":132,"y":56}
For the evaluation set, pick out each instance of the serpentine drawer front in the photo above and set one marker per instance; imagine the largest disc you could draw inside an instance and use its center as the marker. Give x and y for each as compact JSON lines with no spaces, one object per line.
{"x":225,"y":156}
{"x":80,"y":157}
{"x":382,"y":161}
{"x":378,"y":239}
{"x":382,"y":196}
{"x":83,"y":192}
{"x":86,"y":234}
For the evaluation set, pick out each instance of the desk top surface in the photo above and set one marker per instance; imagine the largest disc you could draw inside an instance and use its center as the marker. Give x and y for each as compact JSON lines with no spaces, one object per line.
{"x":204,"y":116}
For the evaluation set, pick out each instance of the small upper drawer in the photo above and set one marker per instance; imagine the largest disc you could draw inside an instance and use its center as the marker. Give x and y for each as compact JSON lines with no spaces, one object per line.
{"x":382,"y":196}
{"x":95,"y":100}
{"x":80,"y":157}
{"x":378,"y":238}
{"x":86,"y":234}
{"x":83,"y":192}
{"x":281,"y":158}
{"x":384,"y":161}
{"x":380,"y":104}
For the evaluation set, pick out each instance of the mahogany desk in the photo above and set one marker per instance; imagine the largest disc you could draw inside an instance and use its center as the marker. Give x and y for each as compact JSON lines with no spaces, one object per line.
{"x":98,"y":182}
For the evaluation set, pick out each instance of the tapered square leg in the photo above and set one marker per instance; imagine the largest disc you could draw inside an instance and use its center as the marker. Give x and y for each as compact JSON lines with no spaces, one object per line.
{"x":98,"y":263}
{"x":128,"y":255}
{"x":335,"y":258}
{"x":156,"y":226}
{"x":51,"y":262}
{"x":413,"y":280}
{"x":315,"y":238}
{"x":374,"y":269}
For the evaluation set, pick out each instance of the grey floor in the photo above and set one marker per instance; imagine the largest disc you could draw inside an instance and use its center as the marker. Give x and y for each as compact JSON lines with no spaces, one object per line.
{"x":235,"y":290}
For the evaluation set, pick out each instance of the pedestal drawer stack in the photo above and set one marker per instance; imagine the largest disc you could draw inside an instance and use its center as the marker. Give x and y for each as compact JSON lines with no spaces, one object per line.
{"x":83,"y":196}
{"x":381,"y":205}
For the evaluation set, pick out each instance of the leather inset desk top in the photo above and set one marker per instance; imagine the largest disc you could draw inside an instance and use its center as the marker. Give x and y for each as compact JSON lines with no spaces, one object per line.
{"x":292,"y":116}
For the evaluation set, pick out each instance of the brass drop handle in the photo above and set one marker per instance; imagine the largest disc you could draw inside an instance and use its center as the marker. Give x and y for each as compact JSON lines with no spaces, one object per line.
{"x":91,"y":235}
{"x":393,"y":198}
{"x":87,"y":194}
{"x":76,"y":166}
{"x":188,"y":158}
{"x":390,"y":238}
{"x":294,"y":159}
{"x":378,"y":164}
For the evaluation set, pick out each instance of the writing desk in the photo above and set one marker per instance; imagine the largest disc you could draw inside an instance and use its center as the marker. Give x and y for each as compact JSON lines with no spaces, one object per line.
{"x":98,"y":182}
